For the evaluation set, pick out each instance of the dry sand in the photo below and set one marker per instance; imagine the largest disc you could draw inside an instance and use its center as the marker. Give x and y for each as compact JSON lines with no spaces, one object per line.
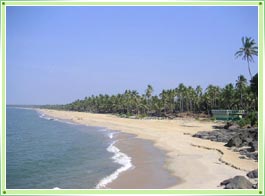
{"x":201,"y":164}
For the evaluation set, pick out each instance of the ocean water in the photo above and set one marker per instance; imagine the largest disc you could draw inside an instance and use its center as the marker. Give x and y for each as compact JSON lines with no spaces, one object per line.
{"x":47,"y":153}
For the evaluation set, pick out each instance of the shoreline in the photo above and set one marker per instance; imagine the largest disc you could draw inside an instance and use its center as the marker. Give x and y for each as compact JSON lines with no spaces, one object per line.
{"x":148,"y":163}
{"x":128,"y":158}
{"x":188,"y":158}
{"x":118,"y":157}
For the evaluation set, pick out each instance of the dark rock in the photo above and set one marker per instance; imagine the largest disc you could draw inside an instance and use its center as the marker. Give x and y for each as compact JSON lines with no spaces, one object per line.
{"x":225,"y":182}
{"x":244,"y":137}
{"x":248,"y":139}
{"x":238,"y":182}
{"x":234,"y":137}
{"x":254,"y":146}
{"x":253,"y":174}
{"x":243,"y":151}
{"x":228,"y":124}
{"x":244,"y":144}
{"x":255,"y":186}
{"x":221,"y":135}
{"x":235,"y":141}
{"x":233,"y":127}
{"x":250,"y":155}
{"x":253,"y":156}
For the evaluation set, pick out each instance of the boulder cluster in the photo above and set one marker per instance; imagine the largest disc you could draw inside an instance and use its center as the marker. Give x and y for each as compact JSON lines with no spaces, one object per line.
{"x":241,"y":182}
{"x":242,"y":140}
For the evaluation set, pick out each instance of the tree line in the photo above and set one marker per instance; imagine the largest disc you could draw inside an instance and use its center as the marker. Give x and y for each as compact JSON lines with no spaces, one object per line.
{"x":241,"y":95}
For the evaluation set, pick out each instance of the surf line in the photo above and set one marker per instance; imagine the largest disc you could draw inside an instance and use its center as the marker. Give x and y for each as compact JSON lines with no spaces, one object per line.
{"x":120,"y":158}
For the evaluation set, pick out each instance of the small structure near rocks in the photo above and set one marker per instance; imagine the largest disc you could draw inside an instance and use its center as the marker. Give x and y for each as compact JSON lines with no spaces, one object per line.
{"x":228,"y":114}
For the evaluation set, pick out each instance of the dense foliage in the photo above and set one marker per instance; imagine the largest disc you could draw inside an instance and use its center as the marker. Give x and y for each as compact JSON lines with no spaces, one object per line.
{"x":241,"y":95}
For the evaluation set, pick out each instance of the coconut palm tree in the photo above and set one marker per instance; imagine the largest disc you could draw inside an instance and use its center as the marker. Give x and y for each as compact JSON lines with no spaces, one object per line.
{"x":180,"y":91}
{"x":247,"y":51}
{"x":212,"y":96}
{"x":254,"y":84}
{"x":228,"y":96}
{"x":149,"y":91}
{"x":148,"y":95}
{"x":199,"y":93}
{"x":241,"y":85}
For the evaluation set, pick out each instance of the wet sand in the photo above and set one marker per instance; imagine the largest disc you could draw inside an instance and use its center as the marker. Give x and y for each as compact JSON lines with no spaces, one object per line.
{"x":148,"y":170}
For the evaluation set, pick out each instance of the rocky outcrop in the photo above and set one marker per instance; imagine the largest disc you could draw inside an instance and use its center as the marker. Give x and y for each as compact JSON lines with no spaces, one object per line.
{"x":231,"y":126}
{"x":235,"y":138}
{"x":235,"y":141}
{"x":241,"y":140}
{"x":247,"y":154}
{"x":241,"y":182}
{"x":253,"y":174}
{"x":244,"y":137}
{"x":219,"y":135}
{"x":238,"y":182}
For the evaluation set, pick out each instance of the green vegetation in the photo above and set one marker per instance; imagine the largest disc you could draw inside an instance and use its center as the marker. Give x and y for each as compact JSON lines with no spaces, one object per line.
{"x":247,"y":51}
{"x":250,"y":119}
{"x":171,"y":102}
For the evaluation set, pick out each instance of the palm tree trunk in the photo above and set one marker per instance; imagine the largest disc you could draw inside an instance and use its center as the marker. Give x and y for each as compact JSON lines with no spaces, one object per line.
{"x":249,"y":71}
{"x":241,"y":97}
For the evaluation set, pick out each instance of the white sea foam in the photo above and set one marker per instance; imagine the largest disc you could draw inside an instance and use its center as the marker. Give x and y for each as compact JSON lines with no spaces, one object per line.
{"x":55,"y":119}
{"x":21,"y":108}
{"x":64,"y":121}
{"x":45,"y":117}
{"x":120,"y":158}
{"x":103,"y":130}
{"x":111,"y":134}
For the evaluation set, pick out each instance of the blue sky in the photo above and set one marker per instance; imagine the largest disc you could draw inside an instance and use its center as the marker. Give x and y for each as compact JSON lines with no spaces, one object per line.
{"x":59,"y":54}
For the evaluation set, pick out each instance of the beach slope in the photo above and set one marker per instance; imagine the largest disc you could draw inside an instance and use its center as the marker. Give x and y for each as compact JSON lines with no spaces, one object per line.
{"x":200,"y":164}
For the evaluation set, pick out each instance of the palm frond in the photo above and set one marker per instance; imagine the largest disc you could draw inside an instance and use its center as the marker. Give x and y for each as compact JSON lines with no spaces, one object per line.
{"x":243,"y":41}
{"x":239,"y":53}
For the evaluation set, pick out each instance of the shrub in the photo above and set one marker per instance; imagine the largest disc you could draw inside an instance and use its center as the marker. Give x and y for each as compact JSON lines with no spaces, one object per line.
{"x":251,"y":118}
{"x":141,"y":116}
{"x":213,"y":118}
{"x":242,"y":122}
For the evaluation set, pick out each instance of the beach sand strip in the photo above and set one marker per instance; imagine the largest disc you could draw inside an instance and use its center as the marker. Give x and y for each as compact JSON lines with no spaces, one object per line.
{"x":200,"y":164}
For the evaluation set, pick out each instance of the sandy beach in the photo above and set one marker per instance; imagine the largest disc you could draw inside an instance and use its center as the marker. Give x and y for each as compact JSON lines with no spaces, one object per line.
{"x":200,"y":164}
{"x":148,"y":171}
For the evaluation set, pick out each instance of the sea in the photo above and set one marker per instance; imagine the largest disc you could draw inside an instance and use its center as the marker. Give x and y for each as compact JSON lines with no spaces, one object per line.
{"x":47,"y":153}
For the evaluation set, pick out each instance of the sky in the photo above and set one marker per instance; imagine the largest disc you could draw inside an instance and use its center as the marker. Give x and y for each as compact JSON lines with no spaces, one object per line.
{"x":56,"y":55}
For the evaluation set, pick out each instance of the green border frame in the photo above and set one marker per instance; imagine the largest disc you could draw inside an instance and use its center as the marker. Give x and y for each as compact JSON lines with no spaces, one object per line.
{"x":259,"y":191}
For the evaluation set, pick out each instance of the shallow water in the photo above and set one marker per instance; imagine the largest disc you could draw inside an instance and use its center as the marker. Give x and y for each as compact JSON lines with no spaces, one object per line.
{"x":44,"y":153}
